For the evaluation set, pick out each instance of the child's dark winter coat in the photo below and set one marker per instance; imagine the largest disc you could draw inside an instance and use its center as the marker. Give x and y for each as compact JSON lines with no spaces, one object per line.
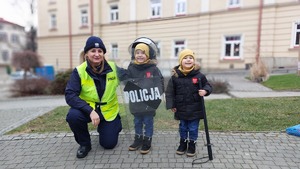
{"x":182,"y":93}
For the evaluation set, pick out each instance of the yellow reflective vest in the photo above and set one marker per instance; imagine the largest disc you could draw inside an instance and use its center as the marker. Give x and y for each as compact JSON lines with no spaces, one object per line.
{"x":109,"y":102}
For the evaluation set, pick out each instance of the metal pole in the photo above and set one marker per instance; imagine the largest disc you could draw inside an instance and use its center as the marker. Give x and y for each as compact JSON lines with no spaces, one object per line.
{"x":209,"y":150}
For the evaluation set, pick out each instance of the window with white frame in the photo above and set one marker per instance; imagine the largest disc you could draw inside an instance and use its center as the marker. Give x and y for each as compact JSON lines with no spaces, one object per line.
{"x":234,"y":3}
{"x":3,"y":37}
{"x":84,"y":17}
{"x":232,"y":47}
{"x":158,"y":54}
{"x":180,"y":7}
{"x":155,"y":8}
{"x":52,"y":1}
{"x":178,"y":46}
{"x":114,"y":50}
{"x":296,"y":34}
{"x":53,"y":21}
{"x":5,"y":55}
{"x":114,"y":13}
{"x":15,"y":38}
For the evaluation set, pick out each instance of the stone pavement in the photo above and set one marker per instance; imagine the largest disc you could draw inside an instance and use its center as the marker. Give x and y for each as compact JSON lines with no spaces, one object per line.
{"x":231,"y":150}
{"x":271,"y":150}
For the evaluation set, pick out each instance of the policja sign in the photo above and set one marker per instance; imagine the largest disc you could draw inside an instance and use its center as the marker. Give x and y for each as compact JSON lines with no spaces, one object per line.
{"x":135,"y":94}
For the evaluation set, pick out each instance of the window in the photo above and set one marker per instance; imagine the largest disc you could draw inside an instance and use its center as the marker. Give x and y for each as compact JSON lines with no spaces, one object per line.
{"x":158,"y":54}
{"x":180,"y":7}
{"x":52,"y":1}
{"x":155,"y":8}
{"x":3,"y":37}
{"x":5,"y":56}
{"x":178,"y":46}
{"x":296,"y":34}
{"x":53,"y":21}
{"x":15,"y":39}
{"x":114,"y":51}
{"x":234,"y":3}
{"x":232,"y":47}
{"x":114,"y":13}
{"x":84,"y":17}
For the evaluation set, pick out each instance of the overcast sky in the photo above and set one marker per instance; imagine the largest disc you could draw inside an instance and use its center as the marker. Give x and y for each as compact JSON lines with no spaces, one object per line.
{"x":17,"y":11}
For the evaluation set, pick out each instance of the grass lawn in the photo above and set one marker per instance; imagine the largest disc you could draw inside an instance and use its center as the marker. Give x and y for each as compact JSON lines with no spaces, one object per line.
{"x":247,"y":114}
{"x":283,"y":82}
{"x":239,"y":114}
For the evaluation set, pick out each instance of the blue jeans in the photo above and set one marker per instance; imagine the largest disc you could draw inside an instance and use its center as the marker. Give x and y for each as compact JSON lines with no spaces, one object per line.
{"x":189,"y":129}
{"x":146,"y":122}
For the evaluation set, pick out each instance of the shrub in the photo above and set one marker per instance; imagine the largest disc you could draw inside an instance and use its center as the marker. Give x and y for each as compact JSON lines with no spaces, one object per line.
{"x":60,"y":82}
{"x":259,"y":72}
{"x":219,"y":86}
{"x":28,"y":87}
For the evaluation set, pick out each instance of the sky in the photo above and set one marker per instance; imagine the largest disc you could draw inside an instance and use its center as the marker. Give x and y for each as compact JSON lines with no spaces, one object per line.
{"x":17,"y":11}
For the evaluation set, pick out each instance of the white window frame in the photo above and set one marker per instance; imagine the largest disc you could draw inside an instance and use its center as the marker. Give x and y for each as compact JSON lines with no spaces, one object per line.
{"x":178,"y":46}
{"x":3,"y":37}
{"x":114,"y":50}
{"x":155,"y":8}
{"x":5,"y":55}
{"x":53,"y":21}
{"x":84,"y":17}
{"x":114,"y":13}
{"x":15,"y":38}
{"x":52,"y":1}
{"x":158,"y":44}
{"x":180,"y":7}
{"x":232,"y":41}
{"x":234,"y":3}
{"x":295,"y":34}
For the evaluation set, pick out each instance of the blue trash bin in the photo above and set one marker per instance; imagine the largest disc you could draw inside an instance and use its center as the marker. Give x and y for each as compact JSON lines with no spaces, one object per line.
{"x":46,"y":72}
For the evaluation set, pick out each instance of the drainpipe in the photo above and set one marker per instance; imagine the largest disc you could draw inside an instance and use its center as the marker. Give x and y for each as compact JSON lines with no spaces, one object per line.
{"x":259,"y":31}
{"x":92,"y":17}
{"x":70,"y":32}
{"x":299,"y":57}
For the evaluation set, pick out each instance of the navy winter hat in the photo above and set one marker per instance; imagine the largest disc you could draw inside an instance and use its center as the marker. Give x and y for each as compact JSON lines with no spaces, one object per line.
{"x":94,"y":42}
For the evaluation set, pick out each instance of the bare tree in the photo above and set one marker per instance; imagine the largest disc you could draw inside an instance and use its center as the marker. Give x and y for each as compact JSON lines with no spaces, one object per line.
{"x":26,"y":61}
{"x":31,"y":34}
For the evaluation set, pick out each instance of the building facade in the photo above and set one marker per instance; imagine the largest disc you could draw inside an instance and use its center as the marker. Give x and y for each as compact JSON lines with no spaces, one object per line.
{"x":12,"y":39}
{"x":225,"y":34}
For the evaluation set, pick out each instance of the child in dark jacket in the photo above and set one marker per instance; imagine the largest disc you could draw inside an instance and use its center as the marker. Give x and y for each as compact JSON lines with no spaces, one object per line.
{"x":184,"y":96}
{"x":144,"y":89}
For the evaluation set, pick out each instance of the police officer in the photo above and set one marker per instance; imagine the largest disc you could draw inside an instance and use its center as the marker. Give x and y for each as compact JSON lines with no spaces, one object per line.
{"x":91,"y":95}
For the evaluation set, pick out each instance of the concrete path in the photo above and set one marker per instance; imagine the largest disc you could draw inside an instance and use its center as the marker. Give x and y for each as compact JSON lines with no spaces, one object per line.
{"x":262,"y":150}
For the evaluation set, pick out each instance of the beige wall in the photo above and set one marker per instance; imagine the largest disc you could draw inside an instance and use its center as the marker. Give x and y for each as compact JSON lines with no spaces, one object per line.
{"x":202,"y":31}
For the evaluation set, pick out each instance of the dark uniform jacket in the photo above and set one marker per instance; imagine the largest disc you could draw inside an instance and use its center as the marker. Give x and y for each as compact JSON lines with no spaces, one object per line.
{"x":182,"y":94}
{"x":73,"y":87}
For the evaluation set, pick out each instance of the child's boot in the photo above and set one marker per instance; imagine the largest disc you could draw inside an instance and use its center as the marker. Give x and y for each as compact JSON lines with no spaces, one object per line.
{"x":146,"y":145}
{"x":191,"y":148}
{"x":182,"y":146}
{"x":138,"y":142}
